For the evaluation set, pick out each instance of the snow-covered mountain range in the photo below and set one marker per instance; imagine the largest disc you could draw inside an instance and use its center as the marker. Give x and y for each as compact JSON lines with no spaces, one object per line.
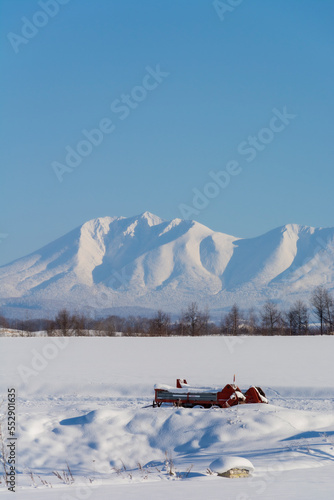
{"x":142,"y":263}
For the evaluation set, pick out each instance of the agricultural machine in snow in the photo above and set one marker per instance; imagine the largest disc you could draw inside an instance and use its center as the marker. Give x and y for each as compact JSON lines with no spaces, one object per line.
{"x":186,"y":396}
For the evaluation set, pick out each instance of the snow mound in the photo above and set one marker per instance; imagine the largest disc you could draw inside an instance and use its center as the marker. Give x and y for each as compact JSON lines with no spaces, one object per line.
{"x":224,"y":464}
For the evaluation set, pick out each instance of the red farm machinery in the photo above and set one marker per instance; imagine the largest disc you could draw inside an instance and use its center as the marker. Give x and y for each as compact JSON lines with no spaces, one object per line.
{"x":223,"y":397}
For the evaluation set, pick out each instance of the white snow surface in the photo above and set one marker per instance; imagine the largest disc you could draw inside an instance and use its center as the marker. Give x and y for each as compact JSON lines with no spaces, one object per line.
{"x":84,"y":402}
{"x":144,"y":263}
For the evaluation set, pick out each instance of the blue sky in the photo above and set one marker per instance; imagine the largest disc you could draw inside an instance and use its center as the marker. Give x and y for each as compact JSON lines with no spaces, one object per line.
{"x":221,"y":77}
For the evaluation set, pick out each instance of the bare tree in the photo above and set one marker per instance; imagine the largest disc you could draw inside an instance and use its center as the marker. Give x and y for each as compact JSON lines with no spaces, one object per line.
{"x":226,"y":325}
{"x":190,"y":319}
{"x":160,"y":324}
{"x":51,"y":328}
{"x":329,"y":313}
{"x":108,"y":327}
{"x":252,"y":321}
{"x":64,"y":323}
{"x":232,"y":321}
{"x":193,"y":321}
{"x":78,"y":324}
{"x":131,"y":326}
{"x":271,"y":317}
{"x":3,"y":322}
{"x":323,"y":306}
{"x":181,"y":327}
{"x":298,"y":319}
{"x":205,"y":321}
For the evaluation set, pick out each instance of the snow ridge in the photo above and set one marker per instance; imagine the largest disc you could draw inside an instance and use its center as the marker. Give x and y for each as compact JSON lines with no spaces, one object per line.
{"x":145,"y":261}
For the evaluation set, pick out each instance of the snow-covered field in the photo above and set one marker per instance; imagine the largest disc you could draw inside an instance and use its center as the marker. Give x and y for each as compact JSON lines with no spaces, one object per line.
{"x":81,"y":402}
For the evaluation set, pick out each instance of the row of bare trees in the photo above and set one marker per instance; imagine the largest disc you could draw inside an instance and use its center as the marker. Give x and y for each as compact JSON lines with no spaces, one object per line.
{"x":296,"y":321}
{"x":270,"y":320}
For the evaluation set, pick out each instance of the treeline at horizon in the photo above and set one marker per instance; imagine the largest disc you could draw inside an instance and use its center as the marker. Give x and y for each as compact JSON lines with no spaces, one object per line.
{"x":269,"y":320}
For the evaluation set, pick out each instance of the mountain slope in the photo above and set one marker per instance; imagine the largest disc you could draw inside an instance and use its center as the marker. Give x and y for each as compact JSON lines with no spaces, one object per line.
{"x":146,"y":262}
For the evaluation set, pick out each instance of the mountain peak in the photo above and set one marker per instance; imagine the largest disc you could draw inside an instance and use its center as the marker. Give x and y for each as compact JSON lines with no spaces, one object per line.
{"x":297,"y":228}
{"x":151,"y":219}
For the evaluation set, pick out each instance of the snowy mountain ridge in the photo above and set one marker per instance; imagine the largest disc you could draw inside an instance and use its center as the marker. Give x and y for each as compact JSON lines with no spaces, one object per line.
{"x":145,"y":262}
